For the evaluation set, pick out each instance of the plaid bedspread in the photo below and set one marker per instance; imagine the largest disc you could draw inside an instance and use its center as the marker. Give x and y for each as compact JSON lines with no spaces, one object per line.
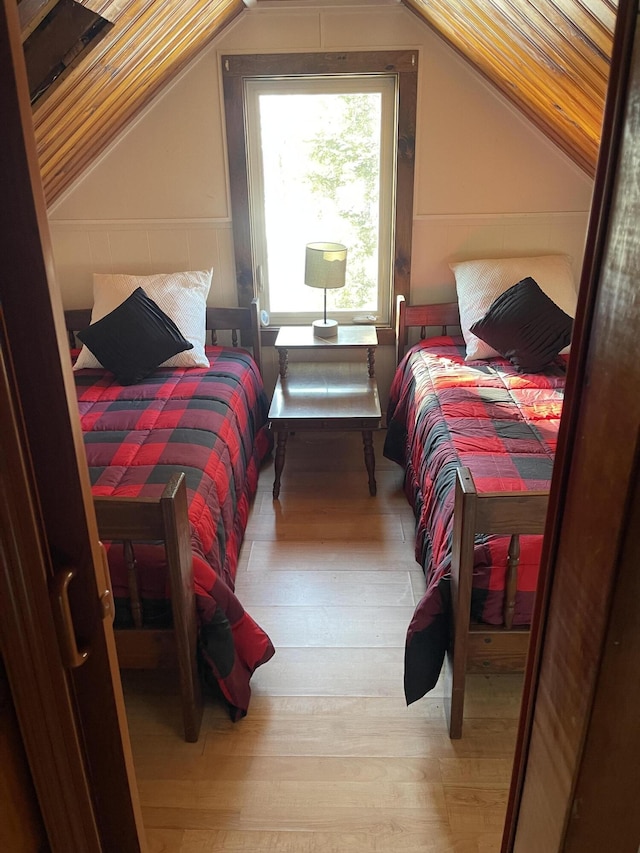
{"x":212,"y":425}
{"x":502,"y":425}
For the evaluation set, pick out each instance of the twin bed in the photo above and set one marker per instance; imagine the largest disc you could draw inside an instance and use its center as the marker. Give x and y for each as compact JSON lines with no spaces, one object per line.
{"x":476,"y":440}
{"x":174,"y":462}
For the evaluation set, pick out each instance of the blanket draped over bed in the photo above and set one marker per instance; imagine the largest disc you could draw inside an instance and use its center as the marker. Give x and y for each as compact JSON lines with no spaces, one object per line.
{"x":211,"y":424}
{"x":502,"y":425}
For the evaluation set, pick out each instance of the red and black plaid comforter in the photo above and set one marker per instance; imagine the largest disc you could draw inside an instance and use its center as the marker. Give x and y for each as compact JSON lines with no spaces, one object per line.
{"x":502,"y":425}
{"x":211,"y":424}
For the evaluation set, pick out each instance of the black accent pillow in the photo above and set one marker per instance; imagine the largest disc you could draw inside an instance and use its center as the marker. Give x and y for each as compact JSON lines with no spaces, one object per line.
{"x":134,"y":338}
{"x":524,"y":325}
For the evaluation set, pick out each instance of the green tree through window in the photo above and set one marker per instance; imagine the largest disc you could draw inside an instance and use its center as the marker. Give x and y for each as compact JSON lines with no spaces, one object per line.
{"x":351,"y":158}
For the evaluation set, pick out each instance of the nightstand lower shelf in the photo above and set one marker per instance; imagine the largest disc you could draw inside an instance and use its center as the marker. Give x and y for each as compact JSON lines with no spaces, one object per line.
{"x":331,"y":396}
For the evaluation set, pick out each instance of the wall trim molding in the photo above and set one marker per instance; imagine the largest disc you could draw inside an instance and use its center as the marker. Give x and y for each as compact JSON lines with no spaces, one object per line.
{"x":225,"y":223}
{"x":462,"y":217}
{"x":139,"y":224}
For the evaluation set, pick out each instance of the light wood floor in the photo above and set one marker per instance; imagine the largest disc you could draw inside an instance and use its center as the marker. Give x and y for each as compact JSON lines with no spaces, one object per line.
{"x":329,"y":758}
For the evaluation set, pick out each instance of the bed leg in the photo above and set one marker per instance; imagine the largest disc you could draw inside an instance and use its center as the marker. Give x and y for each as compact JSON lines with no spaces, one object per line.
{"x":183,"y":603}
{"x":464,"y":514}
{"x":454,"y":708}
{"x":511,"y":581}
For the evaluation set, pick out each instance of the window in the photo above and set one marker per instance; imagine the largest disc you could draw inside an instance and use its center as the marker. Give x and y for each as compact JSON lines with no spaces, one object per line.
{"x":321,"y":153}
{"x":321,"y":149}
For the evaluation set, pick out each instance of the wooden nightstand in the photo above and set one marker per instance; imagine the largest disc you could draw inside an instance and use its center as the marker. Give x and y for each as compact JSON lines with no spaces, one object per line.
{"x":326,"y":396}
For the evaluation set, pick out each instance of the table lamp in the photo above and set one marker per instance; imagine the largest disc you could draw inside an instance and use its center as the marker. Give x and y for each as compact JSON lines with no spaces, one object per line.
{"x":325,"y":265}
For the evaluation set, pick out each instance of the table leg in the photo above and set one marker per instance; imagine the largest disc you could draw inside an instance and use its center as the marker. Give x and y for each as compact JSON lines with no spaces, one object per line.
{"x":371,"y":361}
{"x":281,"y":447}
{"x":369,"y":459}
{"x":283,"y":361}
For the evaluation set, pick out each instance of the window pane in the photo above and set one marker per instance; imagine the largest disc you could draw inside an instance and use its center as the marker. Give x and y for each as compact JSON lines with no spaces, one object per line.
{"x":321,"y":171}
{"x":321,"y":162}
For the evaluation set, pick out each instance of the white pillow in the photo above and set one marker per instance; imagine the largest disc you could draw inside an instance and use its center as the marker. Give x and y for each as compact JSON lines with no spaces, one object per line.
{"x":480,"y":282}
{"x":181,"y":295}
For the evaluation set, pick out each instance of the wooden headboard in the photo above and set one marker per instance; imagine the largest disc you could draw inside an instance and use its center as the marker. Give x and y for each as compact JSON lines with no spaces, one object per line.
{"x":407,"y":316}
{"x":245,"y":321}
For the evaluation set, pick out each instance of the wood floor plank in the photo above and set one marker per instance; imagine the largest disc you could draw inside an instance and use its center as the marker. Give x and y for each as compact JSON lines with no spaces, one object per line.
{"x":301,"y":483}
{"x":472,"y":807}
{"x":390,"y":822}
{"x":334,"y":769}
{"x":425,"y":841}
{"x":274,"y":555}
{"x":166,"y":840}
{"x":332,"y":672}
{"x":362,"y":707}
{"x":251,"y":798}
{"x":153,"y":709}
{"x":303,"y":588}
{"x":476,"y":771}
{"x":334,"y":625}
{"x":340,"y":736}
{"x":301,"y":525}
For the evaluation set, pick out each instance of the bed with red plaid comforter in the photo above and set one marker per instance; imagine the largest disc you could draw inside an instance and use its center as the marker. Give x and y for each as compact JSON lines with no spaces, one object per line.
{"x":210,"y":423}
{"x":444,"y":413}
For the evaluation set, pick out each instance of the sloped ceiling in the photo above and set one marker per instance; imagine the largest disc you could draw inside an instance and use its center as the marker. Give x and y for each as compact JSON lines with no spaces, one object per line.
{"x":549,"y":57}
{"x":151,"y":41}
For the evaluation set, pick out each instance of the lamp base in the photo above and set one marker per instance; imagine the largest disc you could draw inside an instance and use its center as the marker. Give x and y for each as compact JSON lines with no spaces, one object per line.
{"x":325,"y":328}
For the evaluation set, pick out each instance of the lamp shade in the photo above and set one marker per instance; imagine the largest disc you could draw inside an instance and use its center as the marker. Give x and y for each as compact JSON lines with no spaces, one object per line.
{"x":325,"y":265}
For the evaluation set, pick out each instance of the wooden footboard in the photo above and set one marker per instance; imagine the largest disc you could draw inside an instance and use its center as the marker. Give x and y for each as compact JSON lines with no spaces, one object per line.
{"x":480,"y":647}
{"x":131,"y":520}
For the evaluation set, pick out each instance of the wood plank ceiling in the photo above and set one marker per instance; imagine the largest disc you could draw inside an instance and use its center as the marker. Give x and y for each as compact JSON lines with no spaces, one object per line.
{"x":548,"y":57}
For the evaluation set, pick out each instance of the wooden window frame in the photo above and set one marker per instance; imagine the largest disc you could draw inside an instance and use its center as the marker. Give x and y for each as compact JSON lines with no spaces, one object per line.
{"x":403,"y":63}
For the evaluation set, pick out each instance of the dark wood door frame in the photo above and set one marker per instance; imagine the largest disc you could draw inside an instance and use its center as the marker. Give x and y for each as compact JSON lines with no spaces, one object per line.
{"x":30,"y":648}
{"x":72,"y":718}
{"x":586,"y":545}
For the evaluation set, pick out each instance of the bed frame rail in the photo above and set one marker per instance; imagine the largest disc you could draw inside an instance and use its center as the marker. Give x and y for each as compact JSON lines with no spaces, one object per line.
{"x":480,"y":647}
{"x":131,"y":520}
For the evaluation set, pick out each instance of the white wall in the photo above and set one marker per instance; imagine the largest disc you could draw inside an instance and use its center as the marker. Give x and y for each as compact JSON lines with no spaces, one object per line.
{"x":487,"y":182}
